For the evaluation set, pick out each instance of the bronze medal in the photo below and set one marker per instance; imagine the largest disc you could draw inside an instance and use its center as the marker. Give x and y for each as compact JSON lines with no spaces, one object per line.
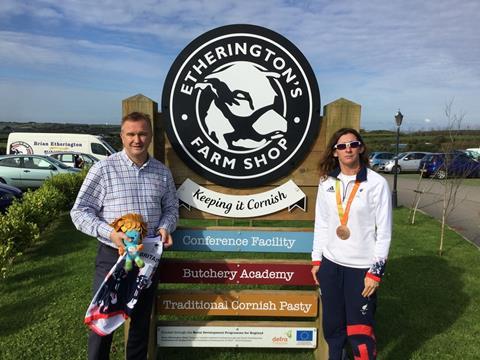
{"x":343,"y":232}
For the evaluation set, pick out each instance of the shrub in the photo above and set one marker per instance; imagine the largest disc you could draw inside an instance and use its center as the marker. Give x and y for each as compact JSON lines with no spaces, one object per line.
{"x":39,"y":207}
{"x":15,"y":236}
{"x":20,"y":226}
{"x":68,"y":185}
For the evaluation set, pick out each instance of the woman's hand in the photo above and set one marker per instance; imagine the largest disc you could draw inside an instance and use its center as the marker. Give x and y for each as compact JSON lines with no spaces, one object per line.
{"x":315,"y":269}
{"x":370,"y":287}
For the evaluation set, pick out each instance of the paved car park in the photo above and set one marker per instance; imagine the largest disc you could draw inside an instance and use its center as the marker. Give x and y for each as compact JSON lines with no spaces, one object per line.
{"x":465,"y":219}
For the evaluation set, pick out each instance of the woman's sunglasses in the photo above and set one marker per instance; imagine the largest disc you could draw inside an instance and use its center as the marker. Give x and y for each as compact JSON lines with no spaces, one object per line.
{"x":351,"y":144}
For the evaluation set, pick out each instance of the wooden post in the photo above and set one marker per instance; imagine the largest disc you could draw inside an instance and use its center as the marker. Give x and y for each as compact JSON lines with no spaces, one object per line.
{"x":321,"y":352}
{"x":143,"y":104}
{"x":339,"y":114}
{"x":146,"y":105}
{"x":152,"y":338}
{"x":126,"y":329}
{"x":336,"y":115}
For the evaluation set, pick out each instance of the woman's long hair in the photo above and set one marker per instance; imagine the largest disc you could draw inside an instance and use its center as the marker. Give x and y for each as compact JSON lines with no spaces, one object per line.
{"x":328,"y":162}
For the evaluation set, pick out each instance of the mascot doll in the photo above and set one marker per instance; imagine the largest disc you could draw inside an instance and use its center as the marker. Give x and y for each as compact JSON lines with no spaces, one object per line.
{"x":135,"y":228}
{"x":116,"y":298}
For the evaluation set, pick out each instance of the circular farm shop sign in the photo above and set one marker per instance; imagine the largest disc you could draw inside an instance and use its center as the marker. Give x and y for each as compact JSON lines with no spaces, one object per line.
{"x":242,"y":106}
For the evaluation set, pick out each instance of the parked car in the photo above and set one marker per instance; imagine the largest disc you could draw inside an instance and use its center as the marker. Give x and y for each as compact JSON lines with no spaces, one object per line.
{"x":378,"y":159}
{"x":30,"y":171}
{"x":441,"y":165}
{"x":74,"y":159}
{"x":7,"y":195}
{"x":407,"y":161}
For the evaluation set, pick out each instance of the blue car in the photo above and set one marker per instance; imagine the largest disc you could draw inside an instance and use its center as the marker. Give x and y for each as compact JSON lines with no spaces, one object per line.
{"x":456,"y":164}
{"x":7,"y":195}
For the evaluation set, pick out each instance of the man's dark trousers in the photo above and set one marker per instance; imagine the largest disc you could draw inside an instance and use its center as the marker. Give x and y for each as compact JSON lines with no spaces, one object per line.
{"x":137,"y":346}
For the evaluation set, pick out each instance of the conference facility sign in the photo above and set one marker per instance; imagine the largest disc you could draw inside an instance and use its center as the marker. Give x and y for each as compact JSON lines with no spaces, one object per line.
{"x":241,"y":106}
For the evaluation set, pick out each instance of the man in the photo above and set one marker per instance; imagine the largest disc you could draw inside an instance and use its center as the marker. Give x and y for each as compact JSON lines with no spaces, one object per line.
{"x":77,"y":161}
{"x":129,"y":181}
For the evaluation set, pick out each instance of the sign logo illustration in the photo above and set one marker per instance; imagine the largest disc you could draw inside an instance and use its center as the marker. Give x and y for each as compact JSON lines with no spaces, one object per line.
{"x":20,"y":147}
{"x":242,"y":106}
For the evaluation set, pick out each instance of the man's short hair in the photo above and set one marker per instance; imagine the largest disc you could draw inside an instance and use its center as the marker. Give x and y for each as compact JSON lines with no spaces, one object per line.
{"x":137,"y":116}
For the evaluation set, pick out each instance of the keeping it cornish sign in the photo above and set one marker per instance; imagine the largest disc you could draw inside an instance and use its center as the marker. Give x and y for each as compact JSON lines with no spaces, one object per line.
{"x":287,"y":195}
{"x":242,"y":106}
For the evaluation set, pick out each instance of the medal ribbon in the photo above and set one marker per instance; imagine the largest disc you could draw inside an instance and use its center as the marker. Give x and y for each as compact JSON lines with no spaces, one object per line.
{"x":343,"y":215}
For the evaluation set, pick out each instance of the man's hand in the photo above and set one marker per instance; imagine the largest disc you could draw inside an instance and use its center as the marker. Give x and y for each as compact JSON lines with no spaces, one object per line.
{"x":167,"y":239}
{"x":370,"y":287}
{"x":315,"y":269}
{"x":117,"y":238}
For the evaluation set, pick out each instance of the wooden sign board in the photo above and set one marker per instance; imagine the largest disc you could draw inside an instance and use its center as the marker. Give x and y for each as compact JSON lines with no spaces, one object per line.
{"x":238,"y":303}
{"x":279,"y":272}
{"x":244,"y":240}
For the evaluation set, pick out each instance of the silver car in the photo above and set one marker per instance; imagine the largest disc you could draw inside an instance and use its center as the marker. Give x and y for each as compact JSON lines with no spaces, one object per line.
{"x":378,"y":159}
{"x":407,"y":162}
{"x":30,"y":171}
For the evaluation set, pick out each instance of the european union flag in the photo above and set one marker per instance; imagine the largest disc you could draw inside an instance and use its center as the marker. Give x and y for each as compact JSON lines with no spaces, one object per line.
{"x":304,"y":335}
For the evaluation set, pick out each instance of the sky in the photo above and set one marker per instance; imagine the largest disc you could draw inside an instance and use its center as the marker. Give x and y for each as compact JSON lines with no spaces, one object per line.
{"x":74,"y":61}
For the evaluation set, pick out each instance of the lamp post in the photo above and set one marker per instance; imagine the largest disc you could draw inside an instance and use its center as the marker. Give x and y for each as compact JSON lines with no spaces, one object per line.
{"x":398,"y":121}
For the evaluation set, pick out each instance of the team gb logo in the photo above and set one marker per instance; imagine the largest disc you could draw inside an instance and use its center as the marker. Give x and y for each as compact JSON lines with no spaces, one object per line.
{"x":242,"y":106}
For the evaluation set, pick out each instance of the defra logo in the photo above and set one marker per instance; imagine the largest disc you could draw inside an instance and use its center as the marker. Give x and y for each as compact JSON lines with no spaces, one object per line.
{"x":242,"y":106}
{"x":279,"y":339}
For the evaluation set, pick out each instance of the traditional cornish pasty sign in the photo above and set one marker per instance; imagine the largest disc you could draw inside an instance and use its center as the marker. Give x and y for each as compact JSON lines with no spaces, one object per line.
{"x":241,"y":105}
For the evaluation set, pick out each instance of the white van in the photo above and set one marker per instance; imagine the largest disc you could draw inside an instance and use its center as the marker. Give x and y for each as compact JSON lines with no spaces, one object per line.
{"x":46,"y":143}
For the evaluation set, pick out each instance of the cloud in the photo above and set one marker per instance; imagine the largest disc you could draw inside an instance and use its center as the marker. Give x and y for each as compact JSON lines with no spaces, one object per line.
{"x":38,"y":50}
{"x":384,"y":55}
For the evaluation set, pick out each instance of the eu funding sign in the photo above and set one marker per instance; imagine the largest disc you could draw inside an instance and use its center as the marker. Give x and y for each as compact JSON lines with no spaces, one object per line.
{"x":251,"y":336}
{"x":242,"y":106}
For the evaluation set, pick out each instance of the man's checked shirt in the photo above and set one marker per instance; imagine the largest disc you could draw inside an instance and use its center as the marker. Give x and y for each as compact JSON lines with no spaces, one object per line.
{"x":116,"y":186}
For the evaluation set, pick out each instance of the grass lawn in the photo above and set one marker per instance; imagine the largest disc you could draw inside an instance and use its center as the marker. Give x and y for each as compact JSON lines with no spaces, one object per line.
{"x":428,"y":307}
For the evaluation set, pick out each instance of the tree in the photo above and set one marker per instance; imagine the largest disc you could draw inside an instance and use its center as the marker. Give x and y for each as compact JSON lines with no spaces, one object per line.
{"x":451,"y":182}
{"x":420,"y":189}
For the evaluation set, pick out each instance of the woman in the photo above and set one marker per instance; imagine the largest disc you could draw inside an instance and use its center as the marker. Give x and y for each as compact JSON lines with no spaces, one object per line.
{"x":353,"y":222}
